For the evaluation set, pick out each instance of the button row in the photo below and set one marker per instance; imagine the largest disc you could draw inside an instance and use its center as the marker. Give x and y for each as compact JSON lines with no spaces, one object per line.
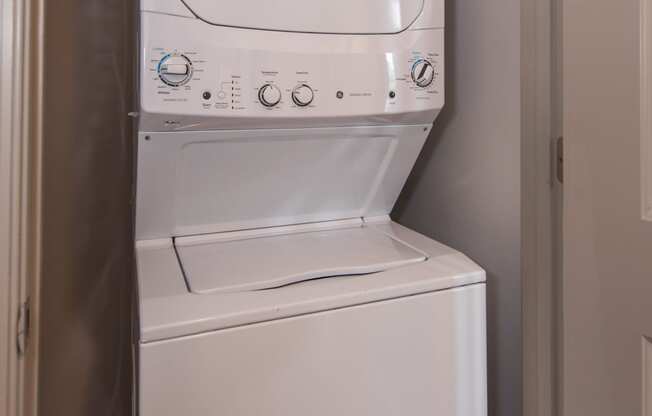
{"x":270,"y":95}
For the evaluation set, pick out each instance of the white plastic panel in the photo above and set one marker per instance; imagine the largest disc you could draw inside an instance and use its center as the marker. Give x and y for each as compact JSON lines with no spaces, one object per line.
{"x":373,"y":73}
{"x":159,"y":273}
{"x":202,"y":182}
{"x":433,"y":15}
{"x":170,"y":7}
{"x":270,"y":262}
{"x":419,"y":355}
{"x":169,"y":310}
{"x":311,"y":16}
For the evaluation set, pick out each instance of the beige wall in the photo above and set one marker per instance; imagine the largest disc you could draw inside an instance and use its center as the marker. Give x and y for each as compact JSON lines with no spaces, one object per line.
{"x":465,"y":190}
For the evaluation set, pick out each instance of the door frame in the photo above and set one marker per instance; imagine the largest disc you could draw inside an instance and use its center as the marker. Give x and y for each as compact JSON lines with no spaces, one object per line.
{"x":541,"y":204}
{"x":20,"y":98}
{"x":646,"y":108}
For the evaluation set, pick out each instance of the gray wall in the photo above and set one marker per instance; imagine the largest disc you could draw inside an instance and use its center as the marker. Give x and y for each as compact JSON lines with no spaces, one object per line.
{"x":465,"y":189}
{"x":87,"y":244}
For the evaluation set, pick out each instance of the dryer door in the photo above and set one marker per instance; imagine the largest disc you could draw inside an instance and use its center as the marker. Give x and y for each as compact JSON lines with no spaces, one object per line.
{"x":311,"y":16}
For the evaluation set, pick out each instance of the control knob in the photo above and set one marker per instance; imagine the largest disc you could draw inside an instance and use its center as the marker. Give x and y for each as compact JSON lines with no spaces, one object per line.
{"x":269,"y":95}
{"x":175,"y":70}
{"x":302,"y":95}
{"x":423,"y":73}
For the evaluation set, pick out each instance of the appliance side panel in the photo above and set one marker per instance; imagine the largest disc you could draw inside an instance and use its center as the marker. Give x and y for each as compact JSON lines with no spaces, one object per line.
{"x":418,"y":355}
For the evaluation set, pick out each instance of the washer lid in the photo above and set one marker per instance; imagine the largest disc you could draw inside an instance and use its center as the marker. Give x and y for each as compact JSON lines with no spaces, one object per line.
{"x":214,"y":264}
{"x":311,"y":16}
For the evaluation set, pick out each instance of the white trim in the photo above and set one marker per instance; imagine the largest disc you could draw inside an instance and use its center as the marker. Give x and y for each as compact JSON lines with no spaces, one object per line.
{"x":12,"y":204}
{"x":20,"y":98}
{"x":646,"y":107}
{"x":32,"y":138}
{"x":647,"y":376}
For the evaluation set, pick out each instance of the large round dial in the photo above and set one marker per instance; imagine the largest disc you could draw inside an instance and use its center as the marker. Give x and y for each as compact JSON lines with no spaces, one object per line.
{"x":175,"y":70}
{"x":302,"y":95}
{"x":423,"y":73}
{"x":269,"y":95}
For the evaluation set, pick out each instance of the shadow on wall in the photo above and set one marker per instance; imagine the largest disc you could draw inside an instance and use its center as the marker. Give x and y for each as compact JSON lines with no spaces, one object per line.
{"x":444,"y":119}
{"x":461,"y":168}
{"x":85,"y":335}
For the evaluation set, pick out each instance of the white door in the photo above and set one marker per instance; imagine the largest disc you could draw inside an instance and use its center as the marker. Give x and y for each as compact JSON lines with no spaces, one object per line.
{"x":607,"y":283}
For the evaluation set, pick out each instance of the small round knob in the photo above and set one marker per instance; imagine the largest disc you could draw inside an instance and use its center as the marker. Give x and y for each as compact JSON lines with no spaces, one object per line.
{"x":423,"y":73}
{"x":269,"y":95}
{"x":302,"y":95}
{"x":175,"y":70}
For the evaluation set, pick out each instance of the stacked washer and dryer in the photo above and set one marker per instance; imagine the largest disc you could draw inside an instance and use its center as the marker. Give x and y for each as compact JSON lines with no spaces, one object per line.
{"x":274,"y":139}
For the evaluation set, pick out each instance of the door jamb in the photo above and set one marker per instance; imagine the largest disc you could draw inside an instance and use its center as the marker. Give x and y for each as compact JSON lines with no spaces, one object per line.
{"x":646,"y":107}
{"x":20,"y":100}
{"x":540,"y":200}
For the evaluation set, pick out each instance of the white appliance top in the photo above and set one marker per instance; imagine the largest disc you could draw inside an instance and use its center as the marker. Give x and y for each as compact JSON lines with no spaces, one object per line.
{"x":237,"y":262}
{"x":311,"y":16}
{"x":200,"y":76}
{"x":169,"y":309}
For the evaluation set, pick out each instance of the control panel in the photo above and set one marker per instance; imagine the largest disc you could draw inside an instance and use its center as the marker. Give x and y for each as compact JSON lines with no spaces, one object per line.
{"x":175,"y":70}
{"x":423,"y":73}
{"x":184,"y":83}
{"x":303,"y":95}
{"x":269,"y":95}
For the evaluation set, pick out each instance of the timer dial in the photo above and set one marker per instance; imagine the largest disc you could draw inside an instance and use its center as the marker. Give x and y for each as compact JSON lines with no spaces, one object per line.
{"x":423,"y":73}
{"x":175,"y":70}
{"x":269,"y":95}
{"x":302,"y":95}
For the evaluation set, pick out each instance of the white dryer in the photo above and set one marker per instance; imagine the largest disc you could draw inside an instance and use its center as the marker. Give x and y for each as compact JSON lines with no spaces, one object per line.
{"x":274,"y":139}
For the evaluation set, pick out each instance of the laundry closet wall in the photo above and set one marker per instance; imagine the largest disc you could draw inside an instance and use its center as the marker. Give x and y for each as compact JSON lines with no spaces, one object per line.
{"x":87,"y":169}
{"x":465,"y":189}
{"x":464,"y":192}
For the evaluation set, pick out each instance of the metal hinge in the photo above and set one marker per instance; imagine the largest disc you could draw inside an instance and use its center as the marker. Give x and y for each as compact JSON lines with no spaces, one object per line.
{"x":22,"y":328}
{"x":559,"y":159}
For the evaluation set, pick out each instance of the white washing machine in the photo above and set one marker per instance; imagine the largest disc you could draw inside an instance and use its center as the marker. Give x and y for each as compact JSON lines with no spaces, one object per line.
{"x":274,"y":140}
